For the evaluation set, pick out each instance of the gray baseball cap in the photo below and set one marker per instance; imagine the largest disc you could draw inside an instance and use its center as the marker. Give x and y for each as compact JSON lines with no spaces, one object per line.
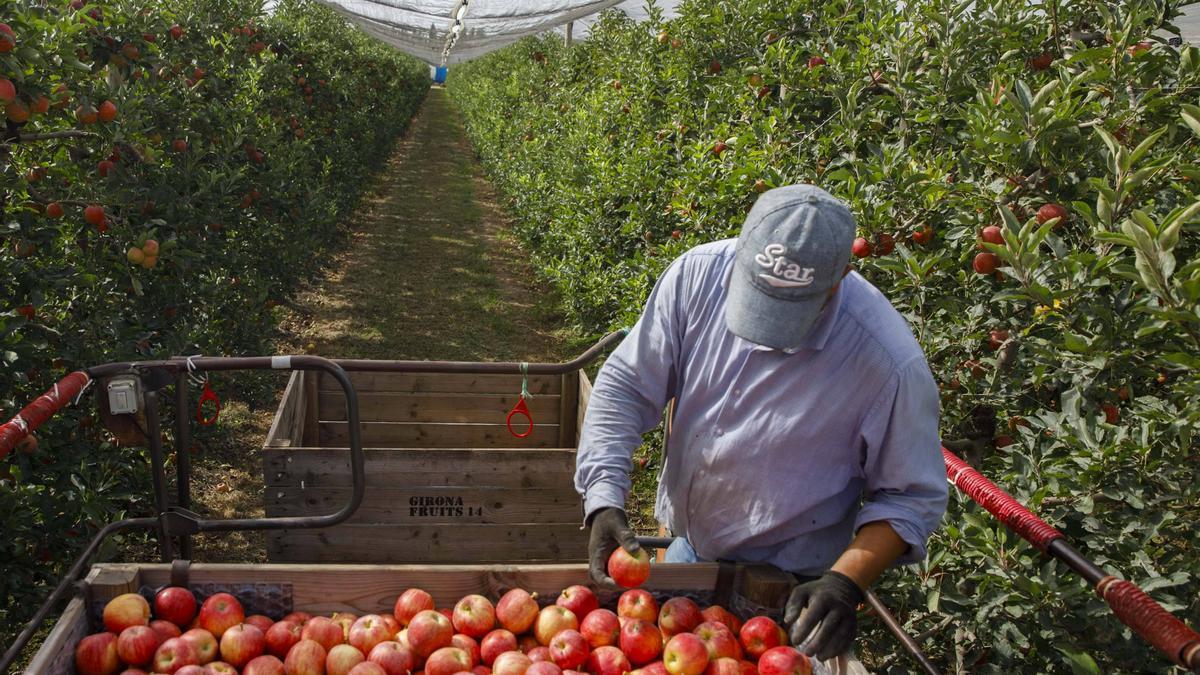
{"x":793,"y":248}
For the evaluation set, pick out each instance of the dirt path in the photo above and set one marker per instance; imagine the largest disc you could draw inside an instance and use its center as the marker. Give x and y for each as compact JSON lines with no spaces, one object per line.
{"x":429,"y":273}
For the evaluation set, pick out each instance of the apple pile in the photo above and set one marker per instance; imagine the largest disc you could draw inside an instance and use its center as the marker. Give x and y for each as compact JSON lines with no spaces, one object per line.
{"x":515,"y":636}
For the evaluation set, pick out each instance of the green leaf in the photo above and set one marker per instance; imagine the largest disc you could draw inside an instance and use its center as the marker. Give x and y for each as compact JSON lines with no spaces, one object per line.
{"x":1191,"y":115}
{"x":1079,"y":662}
{"x":1144,"y":147}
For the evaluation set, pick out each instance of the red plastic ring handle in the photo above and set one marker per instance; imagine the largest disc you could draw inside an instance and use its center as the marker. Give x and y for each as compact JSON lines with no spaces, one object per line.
{"x":519,"y":409}
{"x":208,"y":396}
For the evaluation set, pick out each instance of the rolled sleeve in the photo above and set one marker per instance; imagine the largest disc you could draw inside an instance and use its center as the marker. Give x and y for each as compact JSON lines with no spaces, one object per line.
{"x":629,"y":395}
{"x":905,"y":476}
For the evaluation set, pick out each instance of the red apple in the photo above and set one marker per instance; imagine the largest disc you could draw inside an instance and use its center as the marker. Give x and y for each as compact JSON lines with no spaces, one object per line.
{"x":97,"y":655}
{"x":281,"y":637}
{"x":992,"y":235}
{"x":685,"y":654}
{"x":748,"y":668}
{"x":136,"y":645}
{"x":448,"y":661}
{"x":300,"y":618}
{"x":191,"y":670}
{"x":124,"y":611}
{"x":543,"y":668}
{"x":264,"y":665}
{"x":629,"y":570}
{"x":175,"y":604}
{"x":393,"y":626}
{"x":175,"y":654}
{"x":511,"y":663}
{"x":784,"y":661}
{"x":641,"y":641}
{"x":724,"y":666}
{"x":526,"y":643}
{"x":260,"y":622}
{"x":721,"y":641}
{"x":579,"y":599}
{"x":481,"y":670}
{"x":637,"y":604}
{"x":447,"y":612}
{"x":393,"y":657}
{"x":861,"y":248}
{"x":345,"y":620}
{"x":551,"y":620}
{"x":539,"y":653}
{"x":517,"y":611}
{"x":678,"y":615}
{"x":569,"y":649}
{"x":428,"y":632}
{"x":341,"y":659}
{"x":324,"y":632}
{"x":468,"y":645}
{"x":601,"y":627}
{"x":721,"y":615}
{"x":608,"y":661}
{"x":474,"y":616}
{"x":306,"y":658}
{"x":760,"y":634}
{"x":985,"y":263}
{"x":203,"y":643}
{"x":165,"y":629}
{"x":219,"y":613}
{"x":496,"y":643}
{"x":220,"y":668}
{"x":241,"y":643}
{"x":367,"y":668}
{"x":368,"y":631}
{"x":1050,"y":211}
{"x":656,"y":668}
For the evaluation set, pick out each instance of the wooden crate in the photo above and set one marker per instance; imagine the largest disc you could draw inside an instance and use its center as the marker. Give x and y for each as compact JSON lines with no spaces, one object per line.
{"x":446,"y":481}
{"x":275,"y":590}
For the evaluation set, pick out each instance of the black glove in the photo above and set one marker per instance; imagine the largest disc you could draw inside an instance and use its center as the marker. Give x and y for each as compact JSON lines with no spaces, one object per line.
{"x":823,"y":615}
{"x":609,"y":528}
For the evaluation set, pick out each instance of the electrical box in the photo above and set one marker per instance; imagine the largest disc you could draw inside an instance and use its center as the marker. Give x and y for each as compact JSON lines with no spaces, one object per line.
{"x":124,"y":395}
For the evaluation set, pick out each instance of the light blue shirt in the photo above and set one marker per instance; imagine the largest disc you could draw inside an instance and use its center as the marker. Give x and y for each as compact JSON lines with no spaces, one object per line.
{"x":774,"y":457}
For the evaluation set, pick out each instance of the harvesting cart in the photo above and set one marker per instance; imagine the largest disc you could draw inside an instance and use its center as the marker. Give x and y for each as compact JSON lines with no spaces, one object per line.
{"x":448,"y":483}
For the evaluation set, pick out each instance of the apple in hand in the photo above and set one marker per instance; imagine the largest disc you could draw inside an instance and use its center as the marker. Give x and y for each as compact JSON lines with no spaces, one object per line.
{"x":784,"y":661}
{"x":123,"y":611}
{"x":97,"y":655}
{"x":517,"y":611}
{"x":175,"y":604}
{"x":629,"y":570}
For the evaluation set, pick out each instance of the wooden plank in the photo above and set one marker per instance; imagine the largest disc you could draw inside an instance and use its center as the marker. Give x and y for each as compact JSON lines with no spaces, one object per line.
{"x":434,"y":435}
{"x":278,"y":435}
{"x":434,"y":505}
{"x":56,"y":655}
{"x":437,"y":407}
{"x":390,"y":467}
{"x":445,"y":382}
{"x":312,"y":406}
{"x":585,"y":395}
{"x":569,"y":411}
{"x":765,"y":585}
{"x":431,"y":543}
{"x":295,"y":430}
{"x":324,"y":589}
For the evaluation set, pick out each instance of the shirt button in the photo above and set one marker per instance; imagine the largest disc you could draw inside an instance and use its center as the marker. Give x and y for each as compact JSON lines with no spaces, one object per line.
{"x":720,"y":433}
{"x":737,"y":392}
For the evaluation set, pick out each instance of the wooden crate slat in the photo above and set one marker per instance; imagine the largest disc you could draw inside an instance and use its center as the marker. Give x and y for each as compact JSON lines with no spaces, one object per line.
{"x":327,"y":467}
{"x":433,"y":435}
{"x":431,"y":543}
{"x":56,"y":653}
{"x":445,"y":382}
{"x":436,"y":407}
{"x":434,"y":505}
{"x":290,"y":410}
{"x":585,"y":395}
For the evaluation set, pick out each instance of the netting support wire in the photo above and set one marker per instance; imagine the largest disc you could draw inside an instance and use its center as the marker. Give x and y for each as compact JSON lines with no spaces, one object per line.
{"x":457,"y":26}
{"x":1133,"y":606}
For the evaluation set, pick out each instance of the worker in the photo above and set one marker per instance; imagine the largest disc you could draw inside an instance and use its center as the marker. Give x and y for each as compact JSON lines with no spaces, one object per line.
{"x":805,"y":428}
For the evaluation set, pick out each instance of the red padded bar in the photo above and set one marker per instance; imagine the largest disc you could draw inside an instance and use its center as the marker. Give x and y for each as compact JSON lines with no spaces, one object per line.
{"x":43,"y":408}
{"x":1148,"y":619}
{"x":1001,"y":504}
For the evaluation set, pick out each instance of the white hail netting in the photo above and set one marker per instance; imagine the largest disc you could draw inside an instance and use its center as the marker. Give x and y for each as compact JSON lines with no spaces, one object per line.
{"x":425,"y":28}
